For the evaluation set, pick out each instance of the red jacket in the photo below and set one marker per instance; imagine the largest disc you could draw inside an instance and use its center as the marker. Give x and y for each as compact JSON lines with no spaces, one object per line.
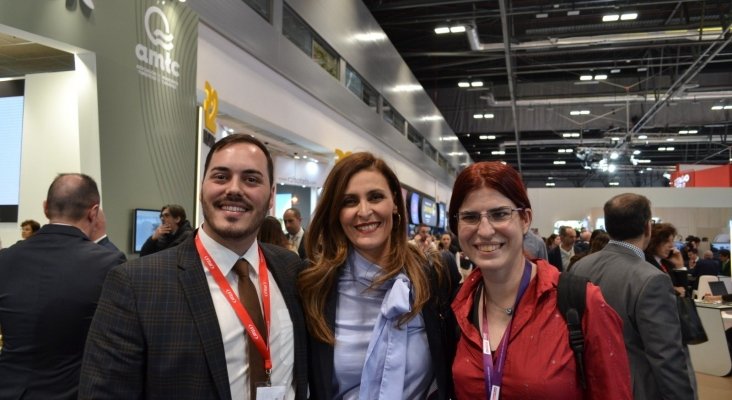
{"x":539,"y":362}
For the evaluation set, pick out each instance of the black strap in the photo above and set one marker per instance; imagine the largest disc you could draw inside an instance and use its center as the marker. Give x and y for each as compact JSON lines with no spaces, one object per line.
{"x":571,"y":292}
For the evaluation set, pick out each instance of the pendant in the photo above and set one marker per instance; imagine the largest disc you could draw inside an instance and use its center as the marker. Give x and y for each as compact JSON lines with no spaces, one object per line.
{"x":508,"y":311}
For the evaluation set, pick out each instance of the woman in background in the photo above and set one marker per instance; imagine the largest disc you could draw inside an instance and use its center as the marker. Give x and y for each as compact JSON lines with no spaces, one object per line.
{"x":663,"y":254}
{"x":513,"y":341}
{"x":376,"y":307}
{"x":29,"y":228}
{"x":271,"y":232}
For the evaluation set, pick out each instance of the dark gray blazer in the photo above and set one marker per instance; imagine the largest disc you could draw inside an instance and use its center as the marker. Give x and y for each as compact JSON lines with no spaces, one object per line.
{"x":49,"y":287}
{"x":156,"y":335}
{"x":643,"y":297}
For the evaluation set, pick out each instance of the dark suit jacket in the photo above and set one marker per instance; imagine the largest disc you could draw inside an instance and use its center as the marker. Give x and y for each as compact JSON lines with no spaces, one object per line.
{"x":706,"y":267}
{"x":108,"y":244}
{"x":49,"y":288}
{"x":555,"y":257}
{"x":440,"y":327}
{"x":156,"y":334}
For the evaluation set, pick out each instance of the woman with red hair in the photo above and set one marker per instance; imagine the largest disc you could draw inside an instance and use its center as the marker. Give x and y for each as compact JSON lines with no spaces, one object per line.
{"x":514,"y":342}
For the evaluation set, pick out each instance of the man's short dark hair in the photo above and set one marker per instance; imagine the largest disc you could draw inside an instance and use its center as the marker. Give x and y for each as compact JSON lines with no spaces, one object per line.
{"x":241,"y":138}
{"x":626,"y":216}
{"x":724,"y":252}
{"x":295,"y":211}
{"x":34,"y":225}
{"x":176,"y":211}
{"x":71,"y":195}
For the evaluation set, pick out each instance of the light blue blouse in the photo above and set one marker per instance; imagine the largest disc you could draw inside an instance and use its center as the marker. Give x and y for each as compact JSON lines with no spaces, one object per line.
{"x":357,"y":310}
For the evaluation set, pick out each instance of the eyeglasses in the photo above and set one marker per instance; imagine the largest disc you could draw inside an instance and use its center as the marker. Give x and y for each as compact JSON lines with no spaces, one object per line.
{"x":495,"y":216}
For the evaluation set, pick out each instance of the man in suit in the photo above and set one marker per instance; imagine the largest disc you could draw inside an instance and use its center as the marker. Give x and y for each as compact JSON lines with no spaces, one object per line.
{"x":170,"y":325}
{"x":295,"y":232}
{"x":707,"y":265}
{"x":724,"y":260}
{"x":100,"y":235}
{"x":643,"y":296}
{"x":49,"y":287}
{"x":561,"y":255}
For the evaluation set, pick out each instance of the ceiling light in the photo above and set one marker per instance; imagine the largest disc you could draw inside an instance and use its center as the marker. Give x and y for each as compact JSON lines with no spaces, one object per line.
{"x":571,"y":13}
{"x":440,"y":30}
{"x":476,"y":83}
{"x":370,"y":37}
{"x":600,"y":77}
{"x":448,"y":138}
{"x":478,"y":116}
{"x":614,"y":184}
{"x":728,"y":107}
{"x":670,"y":139}
{"x":642,"y":69}
{"x":559,"y":162}
{"x":614,"y":155}
{"x":432,"y":118}
{"x":407,"y":88}
{"x":463,"y":84}
{"x":571,"y":135}
{"x":585,"y":77}
{"x":717,"y":107}
{"x":574,"y":113}
{"x":649,"y":169}
{"x":456,"y":153}
{"x":498,"y":152}
{"x":683,"y":132}
{"x":610,"y":18}
{"x":488,"y":115}
{"x":629,"y":16}
{"x":615,"y":139}
{"x":636,"y":152}
{"x":550,"y":184}
{"x":457,"y":29}
{"x":611,"y":168}
{"x":542,"y":15}
{"x":615,"y":71}
{"x":643,"y":161}
{"x":565,"y":151}
{"x":642,"y":137}
{"x":693,"y":131}
{"x":486,"y":137}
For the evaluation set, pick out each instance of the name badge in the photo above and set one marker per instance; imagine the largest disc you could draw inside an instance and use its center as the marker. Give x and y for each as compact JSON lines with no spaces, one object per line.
{"x":271,"y":392}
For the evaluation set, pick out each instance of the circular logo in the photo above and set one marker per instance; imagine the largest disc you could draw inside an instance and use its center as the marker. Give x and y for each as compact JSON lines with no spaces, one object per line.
{"x":162,"y":38}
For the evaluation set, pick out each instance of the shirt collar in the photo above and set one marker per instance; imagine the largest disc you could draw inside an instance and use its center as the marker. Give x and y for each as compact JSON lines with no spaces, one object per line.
{"x":224,"y":257}
{"x":630,"y":247}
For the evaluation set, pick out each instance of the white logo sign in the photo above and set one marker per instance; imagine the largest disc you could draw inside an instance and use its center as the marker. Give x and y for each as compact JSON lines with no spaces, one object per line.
{"x":159,"y":65}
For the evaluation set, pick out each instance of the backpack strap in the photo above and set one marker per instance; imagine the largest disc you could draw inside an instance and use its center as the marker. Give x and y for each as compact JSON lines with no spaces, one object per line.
{"x":571,"y":292}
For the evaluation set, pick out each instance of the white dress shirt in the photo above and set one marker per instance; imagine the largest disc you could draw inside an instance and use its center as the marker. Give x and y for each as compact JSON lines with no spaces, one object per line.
{"x":296,"y":239}
{"x":281,"y":339}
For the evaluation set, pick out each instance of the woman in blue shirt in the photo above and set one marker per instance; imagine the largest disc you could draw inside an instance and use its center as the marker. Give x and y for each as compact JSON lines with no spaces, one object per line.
{"x":377,"y":308}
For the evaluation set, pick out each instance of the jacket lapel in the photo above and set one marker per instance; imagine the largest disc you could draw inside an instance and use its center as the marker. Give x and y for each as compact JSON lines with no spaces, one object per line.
{"x":195,"y":288}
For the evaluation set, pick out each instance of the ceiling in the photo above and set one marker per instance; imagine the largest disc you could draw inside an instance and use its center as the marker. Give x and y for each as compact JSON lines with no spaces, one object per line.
{"x":665,"y":71}
{"x":19,"y":57}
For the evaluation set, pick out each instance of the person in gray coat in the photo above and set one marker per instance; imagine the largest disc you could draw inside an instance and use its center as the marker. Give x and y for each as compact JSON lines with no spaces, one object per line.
{"x":643,"y":296}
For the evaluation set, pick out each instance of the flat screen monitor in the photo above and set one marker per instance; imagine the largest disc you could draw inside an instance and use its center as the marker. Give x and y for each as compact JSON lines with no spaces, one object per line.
{"x":441,"y":211}
{"x":414,"y":208}
{"x":144,"y":224}
{"x":429,"y":212}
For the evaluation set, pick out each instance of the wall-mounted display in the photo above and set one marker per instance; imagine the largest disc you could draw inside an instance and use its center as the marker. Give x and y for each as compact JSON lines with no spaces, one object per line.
{"x":144,"y":223}
{"x":441,"y":220}
{"x":428,"y":209}
{"x":414,"y":205}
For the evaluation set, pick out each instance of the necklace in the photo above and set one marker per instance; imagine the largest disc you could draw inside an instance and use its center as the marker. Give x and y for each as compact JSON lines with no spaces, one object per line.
{"x":507,"y":310}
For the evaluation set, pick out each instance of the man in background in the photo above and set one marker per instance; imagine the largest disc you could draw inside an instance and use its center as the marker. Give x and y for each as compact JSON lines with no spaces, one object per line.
{"x":724,"y":260}
{"x":49,"y":287}
{"x":172,"y":231}
{"x":423,"y":239}
{"x":644,"y":298}
{"x":561,"y":255}
{"x":295,"y":232}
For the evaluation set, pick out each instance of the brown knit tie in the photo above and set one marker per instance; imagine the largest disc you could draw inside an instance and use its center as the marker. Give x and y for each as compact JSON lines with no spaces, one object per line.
{"x":249,"y":298}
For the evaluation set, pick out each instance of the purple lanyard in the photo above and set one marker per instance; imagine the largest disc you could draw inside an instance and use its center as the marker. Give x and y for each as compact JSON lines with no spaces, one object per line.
{"x":494,"y":375}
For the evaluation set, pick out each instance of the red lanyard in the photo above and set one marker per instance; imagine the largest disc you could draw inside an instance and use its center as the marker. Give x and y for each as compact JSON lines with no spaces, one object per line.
{"x":239,"y":309}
